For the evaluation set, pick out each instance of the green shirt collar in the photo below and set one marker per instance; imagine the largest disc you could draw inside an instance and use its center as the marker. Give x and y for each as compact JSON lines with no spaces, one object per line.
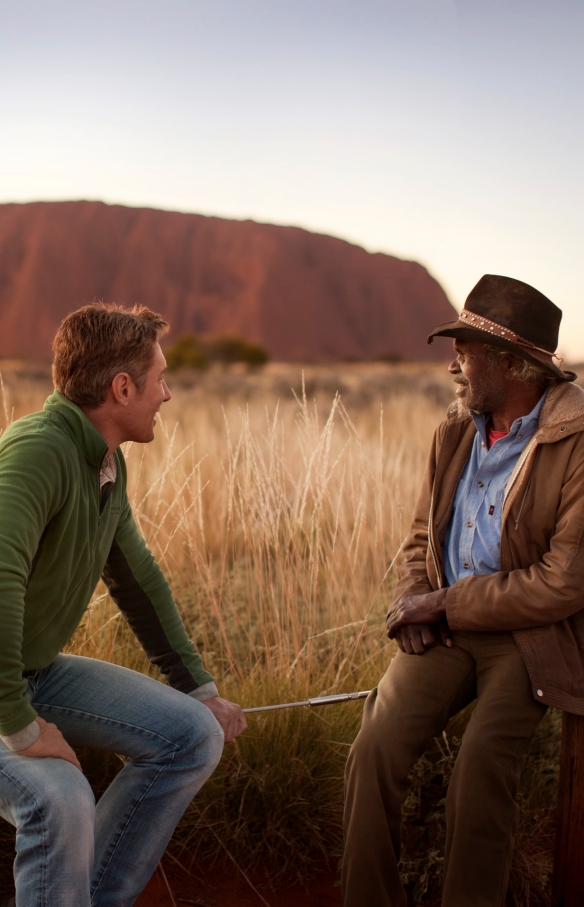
{"x":86,"y":436}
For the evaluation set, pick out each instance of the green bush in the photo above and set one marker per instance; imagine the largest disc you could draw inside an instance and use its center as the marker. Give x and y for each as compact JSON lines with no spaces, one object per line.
{"x":187,"y":352}
{"x":390,"y":357}
{"x":235,"y":349}
{"x":195,"y":352}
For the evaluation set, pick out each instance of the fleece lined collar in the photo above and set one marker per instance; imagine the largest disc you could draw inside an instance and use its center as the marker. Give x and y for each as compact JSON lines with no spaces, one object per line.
{"x":562,"y":413}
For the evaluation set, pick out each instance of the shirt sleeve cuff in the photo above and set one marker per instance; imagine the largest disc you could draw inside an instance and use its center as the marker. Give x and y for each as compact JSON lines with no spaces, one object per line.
{"x":205,"y":691}
{"x":22,"y":739}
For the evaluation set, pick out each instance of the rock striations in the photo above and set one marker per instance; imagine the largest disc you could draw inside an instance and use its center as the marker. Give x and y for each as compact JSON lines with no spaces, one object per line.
{"x":303,"y":296}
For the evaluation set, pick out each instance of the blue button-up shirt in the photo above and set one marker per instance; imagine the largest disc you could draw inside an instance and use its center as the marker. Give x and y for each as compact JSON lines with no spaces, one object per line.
{"x":472,"y":543}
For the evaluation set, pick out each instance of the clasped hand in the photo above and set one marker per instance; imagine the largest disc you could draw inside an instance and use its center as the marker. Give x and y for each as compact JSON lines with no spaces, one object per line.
{"x":418,"y":622}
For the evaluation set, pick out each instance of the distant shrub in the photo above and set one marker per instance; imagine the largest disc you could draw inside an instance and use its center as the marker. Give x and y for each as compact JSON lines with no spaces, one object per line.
{"x":388,"y":357}
{"x":391,"y":358}
{"x":187,"y":351}
{"x":192,"y":351}
{"x":236,"y":349}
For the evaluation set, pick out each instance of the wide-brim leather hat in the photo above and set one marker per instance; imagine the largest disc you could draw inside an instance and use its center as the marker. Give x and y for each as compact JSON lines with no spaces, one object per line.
{"x":511,"y":315}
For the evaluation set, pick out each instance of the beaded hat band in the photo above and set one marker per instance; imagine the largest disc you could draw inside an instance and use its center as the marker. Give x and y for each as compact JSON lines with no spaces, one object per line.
{"x":484,"y":324}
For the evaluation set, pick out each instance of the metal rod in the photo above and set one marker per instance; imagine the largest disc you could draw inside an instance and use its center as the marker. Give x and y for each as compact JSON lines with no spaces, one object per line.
{"x":319,"y":700}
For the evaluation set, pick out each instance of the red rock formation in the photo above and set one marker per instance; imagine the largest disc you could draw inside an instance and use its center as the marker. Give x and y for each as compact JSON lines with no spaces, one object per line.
{"x":302,"y":295}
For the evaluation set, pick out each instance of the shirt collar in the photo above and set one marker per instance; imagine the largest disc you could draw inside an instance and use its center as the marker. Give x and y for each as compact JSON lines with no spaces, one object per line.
{"x":108,"y":471}
{"x":524,"y":424}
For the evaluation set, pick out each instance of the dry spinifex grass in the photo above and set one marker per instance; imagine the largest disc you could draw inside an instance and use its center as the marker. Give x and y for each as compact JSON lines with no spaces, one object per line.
{"x":278,"y":526}
{"x":277,"y":529}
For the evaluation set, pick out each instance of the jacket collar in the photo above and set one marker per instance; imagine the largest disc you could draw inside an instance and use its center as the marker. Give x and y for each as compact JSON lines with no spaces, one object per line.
{"x":562,"y":413}
{"x":84,"y":434}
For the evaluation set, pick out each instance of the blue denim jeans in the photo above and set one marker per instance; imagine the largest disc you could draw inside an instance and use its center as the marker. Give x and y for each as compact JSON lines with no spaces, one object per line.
{"x":70,"y":852}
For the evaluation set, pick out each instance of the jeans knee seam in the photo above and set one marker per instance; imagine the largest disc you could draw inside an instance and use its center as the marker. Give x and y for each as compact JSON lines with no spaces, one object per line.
{"x":92,"y":717}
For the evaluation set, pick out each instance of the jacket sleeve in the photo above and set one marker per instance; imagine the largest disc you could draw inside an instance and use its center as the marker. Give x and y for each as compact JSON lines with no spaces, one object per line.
{"x":33,"y":480}
{"x":413,"y":568}
{"x":139,"y":588}
{"x":545,"y":592}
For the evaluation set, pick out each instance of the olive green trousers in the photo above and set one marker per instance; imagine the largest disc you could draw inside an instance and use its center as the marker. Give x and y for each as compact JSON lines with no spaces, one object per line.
{"x":413,"y":703}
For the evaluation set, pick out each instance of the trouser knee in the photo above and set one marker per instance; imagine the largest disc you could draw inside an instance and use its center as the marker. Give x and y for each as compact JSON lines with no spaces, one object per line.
{"x":62,"y":809}
{"x":483,"y":788}
{"x":378,"y":751}
{"x":198,"y":736}
{"x":482,"y":760}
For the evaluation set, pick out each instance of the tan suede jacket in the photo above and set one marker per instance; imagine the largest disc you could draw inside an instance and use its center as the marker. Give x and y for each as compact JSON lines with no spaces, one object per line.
{"x":539,"y":591}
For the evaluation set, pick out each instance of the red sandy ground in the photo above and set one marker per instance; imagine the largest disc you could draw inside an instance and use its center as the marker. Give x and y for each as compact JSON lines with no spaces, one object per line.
{"x":222,"y":888}
{"x":230,"y":889}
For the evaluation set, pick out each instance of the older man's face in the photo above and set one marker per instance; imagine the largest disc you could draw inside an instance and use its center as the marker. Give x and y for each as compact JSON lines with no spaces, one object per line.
{"x":482,"y":386}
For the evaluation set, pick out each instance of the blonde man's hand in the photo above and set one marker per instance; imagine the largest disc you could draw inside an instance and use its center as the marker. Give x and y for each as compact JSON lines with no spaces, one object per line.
{"x":229,"y":715}
{"x":50,"y":744}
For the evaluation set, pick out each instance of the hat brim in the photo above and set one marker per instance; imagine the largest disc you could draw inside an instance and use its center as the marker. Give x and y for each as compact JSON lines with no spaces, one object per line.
{"x":461,"y":331}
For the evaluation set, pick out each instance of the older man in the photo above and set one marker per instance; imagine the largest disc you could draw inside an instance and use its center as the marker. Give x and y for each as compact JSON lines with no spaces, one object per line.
{"x":488,"y":602}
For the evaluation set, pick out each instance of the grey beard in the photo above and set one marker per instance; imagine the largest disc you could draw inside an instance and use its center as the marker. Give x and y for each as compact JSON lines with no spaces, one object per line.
{"x":464,"y":411}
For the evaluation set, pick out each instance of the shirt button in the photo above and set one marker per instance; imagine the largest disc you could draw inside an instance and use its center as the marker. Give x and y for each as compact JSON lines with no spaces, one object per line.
{"x":519,"y":437}
{"x":466,"y":566}
{"x":469,"y":524}
{"x":540,"y":692}
{"x":483,"y":443}
{"x":480,"y":484}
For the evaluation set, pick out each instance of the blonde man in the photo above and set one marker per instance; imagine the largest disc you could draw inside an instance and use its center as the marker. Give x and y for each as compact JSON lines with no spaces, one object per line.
{"x":65,"y":522}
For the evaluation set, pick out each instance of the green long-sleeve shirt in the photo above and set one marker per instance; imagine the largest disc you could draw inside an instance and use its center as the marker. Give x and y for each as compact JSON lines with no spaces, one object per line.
{"x":58,"y":536}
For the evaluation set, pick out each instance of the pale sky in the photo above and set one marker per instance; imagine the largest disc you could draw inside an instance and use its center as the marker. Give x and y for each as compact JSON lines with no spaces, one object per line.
{"x":446,"y":132}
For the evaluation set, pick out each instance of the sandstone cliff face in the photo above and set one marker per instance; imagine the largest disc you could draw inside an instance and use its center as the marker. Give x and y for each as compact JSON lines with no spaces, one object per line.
{"x":303,"y":296}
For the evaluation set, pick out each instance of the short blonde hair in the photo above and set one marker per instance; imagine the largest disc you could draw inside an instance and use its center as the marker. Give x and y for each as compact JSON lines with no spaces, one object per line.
{"x":97,"y":342}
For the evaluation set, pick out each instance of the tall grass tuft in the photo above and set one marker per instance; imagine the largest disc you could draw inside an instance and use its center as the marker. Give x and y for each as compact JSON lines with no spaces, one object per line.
{"x":278,"y":524}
